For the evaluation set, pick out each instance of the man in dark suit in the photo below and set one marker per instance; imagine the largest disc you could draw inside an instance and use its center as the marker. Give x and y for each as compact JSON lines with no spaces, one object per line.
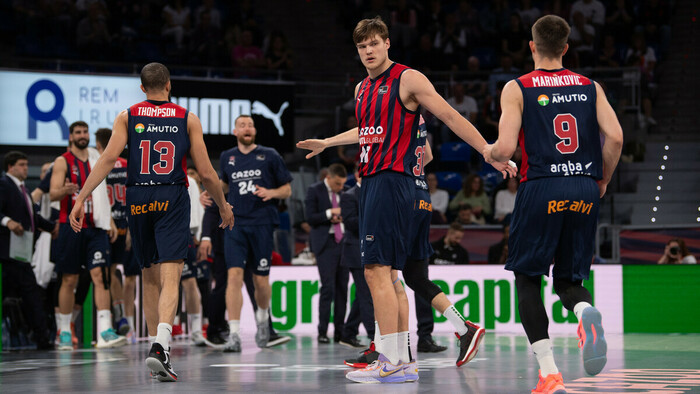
{"x":324,"y":215}
{"x":18,"y":215}
{"x":362,"y":310}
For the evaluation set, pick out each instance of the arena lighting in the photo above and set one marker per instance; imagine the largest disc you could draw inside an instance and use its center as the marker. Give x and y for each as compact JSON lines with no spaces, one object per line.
{"x":656,"y":198}
{"x":653,"y":220}
{"x":663,"y":168}
{"x":665,"y":157}
{"x":661,"y":177}
{"x":698,"y":219}
{"x":654,"y":209}
{"x":658,"y":188}
{"x":666,"y":147}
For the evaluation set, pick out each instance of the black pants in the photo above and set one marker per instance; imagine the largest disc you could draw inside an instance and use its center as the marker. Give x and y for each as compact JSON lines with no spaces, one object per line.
{"x":334,"y":287}
{"x":18,"y":278}
{"x":424,"y":312}
{"x":362,"y":310}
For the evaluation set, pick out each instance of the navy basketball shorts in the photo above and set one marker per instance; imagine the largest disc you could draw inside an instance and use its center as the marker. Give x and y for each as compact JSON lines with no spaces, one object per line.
{"x":419,"y":244}
{"x":386,"y":213}
{"x":251,"y":244}
{"x":131,"y":264}
{"x":554,"y":221}
{"x":159,"y":221}
{"x":89,"y":248}
{"x":189,"y":269}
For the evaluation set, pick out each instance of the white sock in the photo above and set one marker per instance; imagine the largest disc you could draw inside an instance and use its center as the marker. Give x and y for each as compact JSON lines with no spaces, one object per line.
{"x":151,"y":339}
{"x":579,"y":307}
{"x":130,"y":320}
{"x":389,"y":346}
{"x":176,"y":321}
{"x":195,"y":322}
{"x":104,"y":321}
{"x":74,"y":315}
{"x":377,"y":335}
{"x":454,"y":317}
{"x":402,"y":343}
{"x":261,"y":315}
{"x":63,"y":322}
{"x":234,"y":326}
{"x":165,"y":330}
{"x":545,"y":357}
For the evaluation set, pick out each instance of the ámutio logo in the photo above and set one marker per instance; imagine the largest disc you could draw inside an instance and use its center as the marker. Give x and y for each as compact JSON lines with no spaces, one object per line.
{"x":543,"y":99}
{"x":139,"y":128}
{"x":37,"y":115}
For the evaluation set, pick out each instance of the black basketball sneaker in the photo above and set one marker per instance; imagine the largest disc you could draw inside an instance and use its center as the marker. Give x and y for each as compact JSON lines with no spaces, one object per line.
{"x":366,"y":357}
{"x":469,"y":342}
{"x":158,"y":361}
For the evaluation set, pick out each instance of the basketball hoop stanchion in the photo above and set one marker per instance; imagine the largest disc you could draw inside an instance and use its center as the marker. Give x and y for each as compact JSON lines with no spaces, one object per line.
{"x":88,"y":322}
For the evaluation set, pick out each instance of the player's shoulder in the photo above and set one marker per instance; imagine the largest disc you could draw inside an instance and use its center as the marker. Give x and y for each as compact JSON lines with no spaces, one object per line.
{"x":230,"y":152}
{"x":261,"y":149}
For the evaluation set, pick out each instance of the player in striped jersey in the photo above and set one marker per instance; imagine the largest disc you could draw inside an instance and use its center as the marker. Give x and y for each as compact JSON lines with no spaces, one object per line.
{"x":388,"y":104}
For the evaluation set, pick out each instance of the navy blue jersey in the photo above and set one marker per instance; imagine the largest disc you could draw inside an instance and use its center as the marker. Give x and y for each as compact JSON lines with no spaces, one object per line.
{"x":264,"y":167}
{"x":116,"y":190}
{"x":158,"y":144}
{"x":45,"y":184}
{"x":560,"y":135}
{"x":387,"y":129}
{"x":419,"y":168}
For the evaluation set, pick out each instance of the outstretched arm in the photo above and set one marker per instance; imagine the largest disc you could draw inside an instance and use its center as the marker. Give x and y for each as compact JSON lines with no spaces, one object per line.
{"x":510,"y":123}
{"x":317,"y":146}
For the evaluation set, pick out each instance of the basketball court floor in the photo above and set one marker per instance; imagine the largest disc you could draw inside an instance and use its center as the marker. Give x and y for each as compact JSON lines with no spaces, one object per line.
{"x":637,"y":363}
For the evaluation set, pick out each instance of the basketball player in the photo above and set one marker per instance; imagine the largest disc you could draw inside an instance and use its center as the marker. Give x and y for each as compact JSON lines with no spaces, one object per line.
{"x":557,"y":117}
{"x":89,"y":249}
{"x":255,"y":177}
{"x":388,"y":104}
{"x":116,"y":190}
{"x":159,"y":134}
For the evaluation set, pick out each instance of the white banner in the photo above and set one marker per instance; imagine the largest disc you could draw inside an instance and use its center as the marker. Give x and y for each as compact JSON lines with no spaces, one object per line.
{"x":484,"y":294}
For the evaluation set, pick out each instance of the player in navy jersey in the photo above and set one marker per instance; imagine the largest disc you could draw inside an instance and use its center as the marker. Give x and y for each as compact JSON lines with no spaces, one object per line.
{"x":116,"y":190}
{"x":387,"y":107}
{"x":255,"y":178}
{"x":557,"y":117}
{"x":159,"y":135}
{"x":90,"y":249}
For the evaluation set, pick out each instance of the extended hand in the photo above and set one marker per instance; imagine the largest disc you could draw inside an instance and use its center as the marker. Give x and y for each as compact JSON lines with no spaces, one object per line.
{"x":265,"y":194}
{"x":315,"y":146}
{"x":226,"y":213}
{"x":204,"y":250}
{"x":15,"y":227}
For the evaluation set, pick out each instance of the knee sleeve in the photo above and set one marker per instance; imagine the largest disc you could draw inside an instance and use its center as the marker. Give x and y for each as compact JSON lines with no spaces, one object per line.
{"x":532,"y":313}
{"x":417,"y":280}
{"x":571,"y":293}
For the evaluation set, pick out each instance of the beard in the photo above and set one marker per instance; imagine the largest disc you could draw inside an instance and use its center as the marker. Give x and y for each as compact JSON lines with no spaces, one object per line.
{"x":81,"y":143}
{"x":246,"y":141}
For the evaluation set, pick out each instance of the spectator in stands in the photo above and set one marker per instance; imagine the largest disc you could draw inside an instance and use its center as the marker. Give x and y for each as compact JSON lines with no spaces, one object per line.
{"x":643,"y":56}
{"x":557,"y":7}
{"x":473,"y":193}
{"x":427,"y":59}
{"x":466,"y":217}
{"x":177,"y":22}
{"x":492,"y":113}
{"x":279,"y":56}
{"x":468,"y":19}
{"x":451,"y":41}
{"x":676,"y":252}
{"x":207,"y":41}
{"x":440,"y":198}
{"x":528,"y":13}
{"x":504,"y":73}
{"x":433,"y":18}
{"x":619,"y":19}
{"x":514,"y":40}
{"x":592,"y":10}
{"x":448,"y":250}
{"x":608,"y":55}
{"x":210,"y":7}
{"x":92,"y":35}
{"x":498,"y":253}
{"x":404,"y":22}
{"x":465,"y":105}
{"x":654,"y":18}
{"x":582,"y":39}
{"x":475,"y":86}
{"x":247,"y":55}
{"x":505,"y":200}
{"x":493,"y":19}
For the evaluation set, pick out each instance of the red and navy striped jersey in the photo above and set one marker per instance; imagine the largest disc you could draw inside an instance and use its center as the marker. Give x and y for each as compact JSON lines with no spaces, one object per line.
{"x":77,"y":172}
{"x":387,"y":128}
{"x":116,"y":190}
{"x":560,"y":135}
{"x":419,"y":168}
{"x":158,"y":144}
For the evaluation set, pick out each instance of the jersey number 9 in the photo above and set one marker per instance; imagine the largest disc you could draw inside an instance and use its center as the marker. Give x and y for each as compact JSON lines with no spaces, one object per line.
{"x":566,"y":129}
